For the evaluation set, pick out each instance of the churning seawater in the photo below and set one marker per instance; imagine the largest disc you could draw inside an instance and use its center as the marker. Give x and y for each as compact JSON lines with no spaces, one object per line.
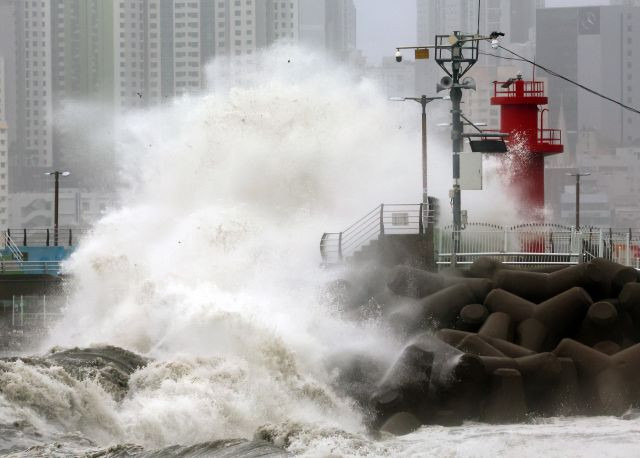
{"x":203,"y":296}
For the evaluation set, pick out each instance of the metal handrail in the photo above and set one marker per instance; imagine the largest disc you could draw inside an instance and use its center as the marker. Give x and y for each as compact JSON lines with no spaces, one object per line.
{"x":15,"y":251}
{"x":550,"y":136}
{"x":31,"y":267}
{"x":372,"y":226}
{"x":530,"y":89}
{"x":374,"y":211}
{"x":46,"y":236}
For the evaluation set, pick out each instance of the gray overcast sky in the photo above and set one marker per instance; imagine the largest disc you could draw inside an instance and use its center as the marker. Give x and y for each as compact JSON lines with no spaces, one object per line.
{"x":385,"y":24}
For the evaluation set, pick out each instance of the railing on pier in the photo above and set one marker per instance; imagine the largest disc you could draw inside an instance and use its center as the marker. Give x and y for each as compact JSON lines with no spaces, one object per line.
{"x":31,"y":267}
{"x":385,"y":219}
{"x":29,"y":312}
{"x":530,"y":245}
{"x":41,"y":237}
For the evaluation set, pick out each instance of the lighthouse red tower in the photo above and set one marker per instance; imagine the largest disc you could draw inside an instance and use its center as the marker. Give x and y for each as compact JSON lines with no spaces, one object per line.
{"x":522,"y":118}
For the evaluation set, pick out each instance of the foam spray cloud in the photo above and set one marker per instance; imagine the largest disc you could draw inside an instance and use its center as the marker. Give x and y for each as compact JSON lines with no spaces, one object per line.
{"x":211,"y":264}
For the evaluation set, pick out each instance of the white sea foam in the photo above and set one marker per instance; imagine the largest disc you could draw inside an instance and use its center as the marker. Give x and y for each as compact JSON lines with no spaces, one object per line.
{"x":211,"y":267}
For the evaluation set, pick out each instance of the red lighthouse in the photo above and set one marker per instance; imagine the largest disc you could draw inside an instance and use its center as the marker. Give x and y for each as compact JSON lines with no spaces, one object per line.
{"x":522,"y":118}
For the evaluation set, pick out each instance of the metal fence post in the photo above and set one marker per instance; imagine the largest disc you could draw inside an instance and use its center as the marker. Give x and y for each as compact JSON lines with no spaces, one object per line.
{"x":505,"y":246}
{"x":580,"y":241}
{"x":44,"y":310}
{"x":13,"y":312}
{"x":421,"y":220}
{"x":340,"y":247}
{"x":600,"y":253}
{"x":440,"y":232}
{"x":381,"y":219}
{"x":21,"y":311}
{"x":628,"y":250}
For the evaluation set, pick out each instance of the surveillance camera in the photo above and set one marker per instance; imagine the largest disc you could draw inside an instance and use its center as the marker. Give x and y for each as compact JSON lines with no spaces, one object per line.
{"x":495,"y":43}
{"x":398,"y":56}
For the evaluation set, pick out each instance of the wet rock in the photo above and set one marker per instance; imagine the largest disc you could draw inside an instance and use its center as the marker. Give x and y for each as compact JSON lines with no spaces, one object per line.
{"x":486,"y":267}
{"x":506,"y":401}
{"x":613,"y":277}
{"x":110,"y":366}
{"x":417,"y":283}
{"x":507,"y":348}
{"x":475,"y":345}
{"x":503,"y":301}
{"x":531,"y":286}
{"x":401,"y":423}
{"x":452,"y":336}
{"x":405,"y":386}
{"x":471,"y":317}
{"x":531,"y":334}
{"x":499,"y":326}
{"x":439,"y":310}
{"x":581,"y":275}
{"x":565,"y":397}
{"x":607,"y":347}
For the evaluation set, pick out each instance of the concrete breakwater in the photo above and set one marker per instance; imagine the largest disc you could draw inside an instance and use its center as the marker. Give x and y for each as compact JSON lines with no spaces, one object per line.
{"x":498,"y":345}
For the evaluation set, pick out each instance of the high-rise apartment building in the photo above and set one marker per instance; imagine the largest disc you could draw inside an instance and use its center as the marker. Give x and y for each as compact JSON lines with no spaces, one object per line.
{"x":127,"y":54}
{"x":34,"y":82}
{"x":328,"y":25}
{"x":282,"y":21}
{"x":178,"y":35}
{"x":8,"y":54}
{"x":600,"y":48}
{"x":4,"y":150}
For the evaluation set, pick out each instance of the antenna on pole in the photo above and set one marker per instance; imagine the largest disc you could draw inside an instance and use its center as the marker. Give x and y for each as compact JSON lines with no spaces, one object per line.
{"x":533,"y":69}
{"x":478,"y":33}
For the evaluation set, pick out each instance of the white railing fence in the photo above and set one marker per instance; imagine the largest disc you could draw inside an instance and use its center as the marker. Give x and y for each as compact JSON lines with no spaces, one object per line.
{"x":533,"y":245}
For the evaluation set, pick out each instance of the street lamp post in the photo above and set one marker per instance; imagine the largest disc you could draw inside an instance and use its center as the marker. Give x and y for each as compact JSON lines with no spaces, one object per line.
{"x":56,"y":199}
{"x":423,"y":101}
{"x":578,"y":175}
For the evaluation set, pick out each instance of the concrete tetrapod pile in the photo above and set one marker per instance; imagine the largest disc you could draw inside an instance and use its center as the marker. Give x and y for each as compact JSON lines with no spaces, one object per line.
{"x":501,"y":345}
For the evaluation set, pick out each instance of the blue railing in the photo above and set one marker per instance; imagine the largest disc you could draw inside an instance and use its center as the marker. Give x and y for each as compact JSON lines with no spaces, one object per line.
{"x":46,"y":236}
{"x":30,"y":267}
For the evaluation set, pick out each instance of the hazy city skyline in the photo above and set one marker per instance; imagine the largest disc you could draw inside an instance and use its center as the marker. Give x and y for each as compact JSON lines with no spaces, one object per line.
{"x":380,"y":30}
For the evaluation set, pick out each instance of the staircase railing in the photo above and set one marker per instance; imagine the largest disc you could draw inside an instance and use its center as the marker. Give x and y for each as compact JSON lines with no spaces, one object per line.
{"x":385,"y":219}
{"x":13,"y":248}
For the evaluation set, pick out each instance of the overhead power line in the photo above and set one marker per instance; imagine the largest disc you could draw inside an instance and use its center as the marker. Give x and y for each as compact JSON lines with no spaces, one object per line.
{"x":557,"y":75}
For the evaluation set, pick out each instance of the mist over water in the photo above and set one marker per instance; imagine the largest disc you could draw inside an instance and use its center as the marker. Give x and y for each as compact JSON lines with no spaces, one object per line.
{"x":210,"y":268}
{"x":211,"y":265}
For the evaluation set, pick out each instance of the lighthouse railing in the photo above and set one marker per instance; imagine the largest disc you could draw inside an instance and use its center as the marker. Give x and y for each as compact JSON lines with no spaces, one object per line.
{"x":530,"y":89}
{"x":550,"y":136}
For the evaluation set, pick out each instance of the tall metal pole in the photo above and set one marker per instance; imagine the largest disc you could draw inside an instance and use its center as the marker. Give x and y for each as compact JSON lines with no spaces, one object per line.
{"x":578,"y":176}
{"x":577,"y":202}
{"x":457,"y":146}
{"x":425,"y":194}
{"x":56,"y":199}
{"x":55,"y":207}
{"x":423,"y":101}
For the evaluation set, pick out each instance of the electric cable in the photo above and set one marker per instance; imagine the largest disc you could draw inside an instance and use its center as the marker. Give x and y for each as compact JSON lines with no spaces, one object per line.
{"x":557,"y":75}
